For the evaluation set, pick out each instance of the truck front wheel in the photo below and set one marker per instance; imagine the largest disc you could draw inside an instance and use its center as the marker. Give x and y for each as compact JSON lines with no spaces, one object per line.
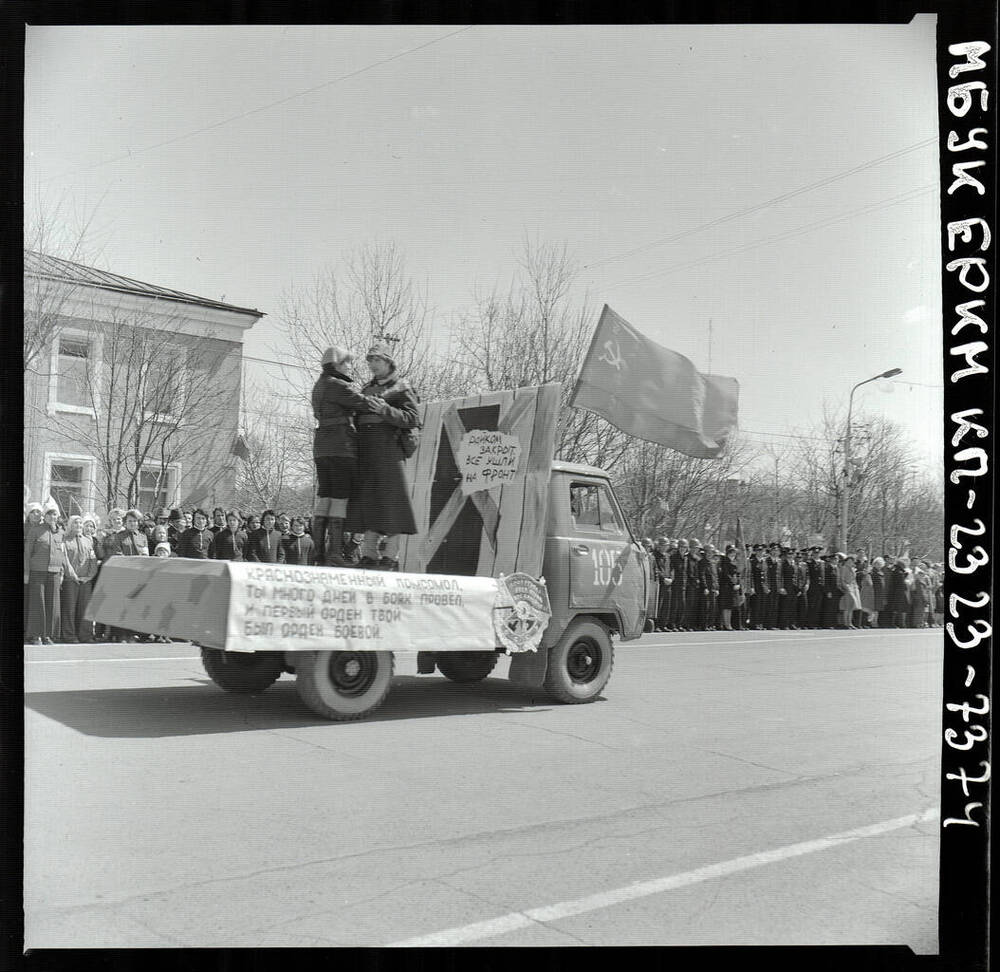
{"x":242,"y":673}
{"x":466,"y":666}
{"x":580,"y":664}
{"x":343,"y":685}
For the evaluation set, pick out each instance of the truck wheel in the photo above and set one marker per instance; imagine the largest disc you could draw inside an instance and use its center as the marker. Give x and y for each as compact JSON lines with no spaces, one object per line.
{"x":466,"y":666}
{"x":343,"y":685}
{"x":242,"y":673}
{"x":580,"y":664}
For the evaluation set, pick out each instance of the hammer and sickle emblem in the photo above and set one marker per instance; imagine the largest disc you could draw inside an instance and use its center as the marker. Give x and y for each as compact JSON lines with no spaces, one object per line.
{"x":614,"y":357}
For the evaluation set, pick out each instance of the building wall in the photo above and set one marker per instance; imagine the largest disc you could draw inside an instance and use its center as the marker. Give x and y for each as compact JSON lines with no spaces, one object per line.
{"x":209,"y":340}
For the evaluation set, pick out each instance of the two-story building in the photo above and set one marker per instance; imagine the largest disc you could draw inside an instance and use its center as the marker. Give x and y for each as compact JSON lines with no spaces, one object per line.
{"x":132,"y":390}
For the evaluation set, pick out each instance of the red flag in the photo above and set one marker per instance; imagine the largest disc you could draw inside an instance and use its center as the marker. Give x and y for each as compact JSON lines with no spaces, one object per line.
{"x":653,"y":393}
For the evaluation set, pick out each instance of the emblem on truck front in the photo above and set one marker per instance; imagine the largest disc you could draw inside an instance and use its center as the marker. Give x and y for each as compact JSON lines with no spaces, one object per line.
{"x":521,"y":612}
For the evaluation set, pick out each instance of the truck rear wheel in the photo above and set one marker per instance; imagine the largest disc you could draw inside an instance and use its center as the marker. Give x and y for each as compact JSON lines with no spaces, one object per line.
{"x":580,"y":663}
{"x":243,"y":673}
{"x":466,"y":666}
{"x":343,"y":685}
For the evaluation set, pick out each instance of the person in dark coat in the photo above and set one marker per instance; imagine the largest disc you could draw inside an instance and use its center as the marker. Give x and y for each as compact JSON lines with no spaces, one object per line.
{"x":878,"y":593}
{"x":175,"y":528}
{"x":297,"y":545}
{"x":814,"y":594}
{"x":729,"y":587}
{"x":897,"y":606}
{"x":264,"y":545}
{"x":44,"y":566}
{"x":196,"y":542}
{"x":229,"y":541}
{"x":830,"y":612}
{"x":679,"y":560}
{"x":130,"y":541}
{"x":218,"y":523}
{"x":335,"y":402}
{"x":788,"y":590}
{"x":382,"y":499}
{"x":664,"y":575}
{"x":761,"y":588}
{"x":709,"y":581}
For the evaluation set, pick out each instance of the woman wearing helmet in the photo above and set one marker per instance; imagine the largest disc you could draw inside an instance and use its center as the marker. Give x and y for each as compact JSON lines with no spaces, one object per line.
{"x":335,"y":399}
{"x":383,"y":506}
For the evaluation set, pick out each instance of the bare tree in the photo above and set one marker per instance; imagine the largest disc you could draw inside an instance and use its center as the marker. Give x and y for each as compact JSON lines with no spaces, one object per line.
{"x":51,"y":230}
{"x":155,"y":398}
{"x":275,"y":473}
{"x":534,"y":333}
{"x":666,"y":492}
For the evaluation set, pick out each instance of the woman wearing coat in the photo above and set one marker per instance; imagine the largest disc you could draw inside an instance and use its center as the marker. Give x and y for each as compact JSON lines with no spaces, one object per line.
{"x":850,"y":598}
{"x":382,"y":501}
{"x":229,"y":539}
{"x":297,"y":544}
{"x":867,"y":591}
{"x":878,"y":593}
{"x":44,"y":565}
{"x":81,"y":569}
{"x":335,"y":402}
{"x":921,"y":594}
{"x":897,"y":593}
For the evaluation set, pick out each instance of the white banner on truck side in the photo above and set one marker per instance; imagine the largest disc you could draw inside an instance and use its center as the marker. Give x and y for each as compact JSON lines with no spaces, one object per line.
{"x":273,"y":607}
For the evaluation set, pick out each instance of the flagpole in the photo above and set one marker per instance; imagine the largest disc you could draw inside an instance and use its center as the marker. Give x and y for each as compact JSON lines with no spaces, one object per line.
{"x":590,"y":348}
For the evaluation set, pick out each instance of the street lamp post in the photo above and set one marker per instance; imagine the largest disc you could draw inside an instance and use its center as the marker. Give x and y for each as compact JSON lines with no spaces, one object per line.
{"x":846,"y":488}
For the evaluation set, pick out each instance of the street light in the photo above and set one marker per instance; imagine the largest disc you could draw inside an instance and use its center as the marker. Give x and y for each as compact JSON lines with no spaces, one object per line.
{"x":845,"y":491}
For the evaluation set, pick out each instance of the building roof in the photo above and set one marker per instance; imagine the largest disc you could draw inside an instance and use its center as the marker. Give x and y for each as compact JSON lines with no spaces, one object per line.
{"x":55,"y":268}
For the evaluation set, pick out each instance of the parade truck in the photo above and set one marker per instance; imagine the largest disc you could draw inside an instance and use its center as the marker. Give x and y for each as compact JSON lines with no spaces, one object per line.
{"x":517,"y":554}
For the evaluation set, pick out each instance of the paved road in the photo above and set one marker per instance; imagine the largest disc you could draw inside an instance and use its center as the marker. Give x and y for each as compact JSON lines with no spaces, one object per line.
{"x":758,"y":788}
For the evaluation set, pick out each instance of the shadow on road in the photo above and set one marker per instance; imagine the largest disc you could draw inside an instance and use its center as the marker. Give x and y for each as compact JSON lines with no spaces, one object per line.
{"x":201,"y":708}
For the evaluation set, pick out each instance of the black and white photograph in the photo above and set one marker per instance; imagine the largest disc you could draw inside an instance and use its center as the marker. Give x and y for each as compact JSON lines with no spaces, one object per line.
{"x":484,"y":485}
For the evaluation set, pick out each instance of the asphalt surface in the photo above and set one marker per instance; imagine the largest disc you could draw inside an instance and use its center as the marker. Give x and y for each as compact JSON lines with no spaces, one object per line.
{"x":728,"y":788}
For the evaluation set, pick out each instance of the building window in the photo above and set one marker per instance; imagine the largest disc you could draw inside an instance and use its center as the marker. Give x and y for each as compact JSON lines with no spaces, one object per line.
{"x":72,"y":374}
{"x":71,"y":483}
{"x":156,"y":488}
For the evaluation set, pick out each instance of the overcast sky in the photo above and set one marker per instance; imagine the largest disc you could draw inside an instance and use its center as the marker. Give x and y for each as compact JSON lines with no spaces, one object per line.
{"x":458,"y":143}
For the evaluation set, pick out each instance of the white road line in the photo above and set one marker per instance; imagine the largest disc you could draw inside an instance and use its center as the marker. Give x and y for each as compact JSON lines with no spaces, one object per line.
{"x":88,"y":661}
{"x":630,"y":646}
{"x":606,"y":899}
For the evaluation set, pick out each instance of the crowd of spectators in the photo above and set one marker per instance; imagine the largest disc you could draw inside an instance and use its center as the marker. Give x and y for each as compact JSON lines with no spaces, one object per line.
{"x":63,"y":557}
{"x":765,"y":586}
{"x":698,"y":587}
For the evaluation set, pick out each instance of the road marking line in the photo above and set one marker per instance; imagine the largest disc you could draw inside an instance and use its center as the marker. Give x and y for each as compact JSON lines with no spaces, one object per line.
{"x":738,"y":641}
{"x":87,"y":661}
{"x":606,"y":899}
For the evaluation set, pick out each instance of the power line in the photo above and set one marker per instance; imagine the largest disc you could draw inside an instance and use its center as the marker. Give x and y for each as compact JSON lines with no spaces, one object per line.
{"x":809,"y":227}
{"x":259,"y":108}
{"x":763,"y":205}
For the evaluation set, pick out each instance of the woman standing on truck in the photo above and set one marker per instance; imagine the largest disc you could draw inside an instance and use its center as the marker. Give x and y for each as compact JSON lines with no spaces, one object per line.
{"x":335,"y":400}
{"x":383,"y":503}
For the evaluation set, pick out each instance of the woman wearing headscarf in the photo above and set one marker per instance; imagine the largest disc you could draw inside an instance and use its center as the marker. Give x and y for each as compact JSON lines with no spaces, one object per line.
{"x":32,"y":518}
{"x":382,"y":500}
{"x":81,"y":569}
{"x":44,"y":565}
{"x":335,"y":401}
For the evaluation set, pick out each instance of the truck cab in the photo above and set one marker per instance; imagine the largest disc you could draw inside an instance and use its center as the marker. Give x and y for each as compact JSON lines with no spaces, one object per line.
{"x":593,"y":565}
